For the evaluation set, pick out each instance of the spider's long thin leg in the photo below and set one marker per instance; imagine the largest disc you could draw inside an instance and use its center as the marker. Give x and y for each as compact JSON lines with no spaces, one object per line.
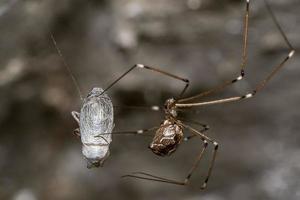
{"x":212,"y":162}
{"x":205,"y":139}
{"x":205,"y":127}
{"x":147,"y":176}
{"x":258,"y":88}
{"x":186,"y":81}
{"x":150,"y":177}
{"x":278,"y":25}
{"x":145,"y":107}
{"x":242,"y":65}
{"x":135,"y":132}
{"x":261,"y":84}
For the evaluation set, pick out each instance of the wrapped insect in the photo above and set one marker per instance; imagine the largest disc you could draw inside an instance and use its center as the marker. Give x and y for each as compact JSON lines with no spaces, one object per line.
{"x":95,"y":118}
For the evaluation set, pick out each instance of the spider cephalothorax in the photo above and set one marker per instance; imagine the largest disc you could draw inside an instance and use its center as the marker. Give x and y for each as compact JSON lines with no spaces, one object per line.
{"x":170,"y":108}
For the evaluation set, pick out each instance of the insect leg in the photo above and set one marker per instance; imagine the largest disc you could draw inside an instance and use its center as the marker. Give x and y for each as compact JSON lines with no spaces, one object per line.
{"x":141,"y":66}
{"x":77,"y":132}
{"x":76,"y":116}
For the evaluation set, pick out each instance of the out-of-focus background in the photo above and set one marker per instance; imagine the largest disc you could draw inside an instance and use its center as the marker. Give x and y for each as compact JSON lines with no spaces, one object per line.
{"x":201,"y":40}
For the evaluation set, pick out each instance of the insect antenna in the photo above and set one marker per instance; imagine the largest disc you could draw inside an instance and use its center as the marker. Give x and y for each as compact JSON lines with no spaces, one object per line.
{"x":67,"y":67}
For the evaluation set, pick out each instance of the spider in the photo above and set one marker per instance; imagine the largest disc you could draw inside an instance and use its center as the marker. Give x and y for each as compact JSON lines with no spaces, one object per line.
{"x":170,"y":134}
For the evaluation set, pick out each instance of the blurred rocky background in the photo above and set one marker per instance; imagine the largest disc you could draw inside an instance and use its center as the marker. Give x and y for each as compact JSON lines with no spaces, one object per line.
{"x":201,"y":40}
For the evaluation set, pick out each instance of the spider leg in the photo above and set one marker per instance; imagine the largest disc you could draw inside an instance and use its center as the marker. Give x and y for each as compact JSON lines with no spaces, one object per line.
{"x":136,"y":132}
{"x":242,"y":65}
{"x":150,"y":177}
{"x":258,"y":88}
{"x":141,"y":66}
{"x":277,"y":24}
{"x":146,"y":107}
{"x":261,"y":84}
{"x":205,"y":127}
{"x":147,"y":176}
{"x":205,"y":139}
{"x":212,"y":162}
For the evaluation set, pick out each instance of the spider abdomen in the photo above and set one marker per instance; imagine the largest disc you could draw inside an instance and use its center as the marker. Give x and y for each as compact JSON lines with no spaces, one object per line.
{"x":167,"y":138}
